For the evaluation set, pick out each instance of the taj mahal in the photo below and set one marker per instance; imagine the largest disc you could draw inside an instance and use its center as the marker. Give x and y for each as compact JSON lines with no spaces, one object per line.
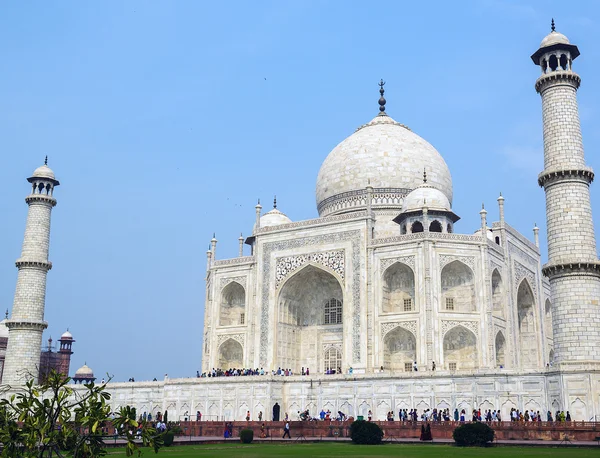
{"x":382,"y":298}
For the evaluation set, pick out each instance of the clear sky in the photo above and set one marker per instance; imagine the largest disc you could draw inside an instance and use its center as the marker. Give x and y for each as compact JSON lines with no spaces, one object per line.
{"x":165,"y":121}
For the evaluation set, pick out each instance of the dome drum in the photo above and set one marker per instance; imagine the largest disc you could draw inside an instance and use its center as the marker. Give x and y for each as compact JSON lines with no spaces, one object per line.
{"x":357,"y":200}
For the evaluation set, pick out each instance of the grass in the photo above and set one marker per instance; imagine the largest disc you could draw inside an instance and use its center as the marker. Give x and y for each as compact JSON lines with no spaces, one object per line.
{"x":328,"y":450}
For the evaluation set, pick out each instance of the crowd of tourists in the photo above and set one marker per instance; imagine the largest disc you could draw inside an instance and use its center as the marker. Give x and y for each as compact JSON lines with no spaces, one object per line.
{"x":235,"y":372}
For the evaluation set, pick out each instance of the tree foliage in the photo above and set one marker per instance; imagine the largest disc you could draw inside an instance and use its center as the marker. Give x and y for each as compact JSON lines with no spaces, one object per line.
{"x":55,"y":420}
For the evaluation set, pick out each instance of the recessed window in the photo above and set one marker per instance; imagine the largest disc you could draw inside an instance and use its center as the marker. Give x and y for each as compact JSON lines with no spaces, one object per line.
{"x":242,"y":318}
{"x":435,"y":226}
{"x":408,"y":305}
{"x":333,"y":311}
{"x":449,"y":303}
{"x":408,"y":367}
{"x":452,"y":366}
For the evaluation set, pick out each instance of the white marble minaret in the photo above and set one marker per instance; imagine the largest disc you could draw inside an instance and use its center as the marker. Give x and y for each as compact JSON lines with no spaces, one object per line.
{"x":572,"y":268}
{"x":26,"y":323}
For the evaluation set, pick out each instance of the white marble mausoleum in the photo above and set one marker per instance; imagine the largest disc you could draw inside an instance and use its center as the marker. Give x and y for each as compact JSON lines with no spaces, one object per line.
{"x":386,"y":280}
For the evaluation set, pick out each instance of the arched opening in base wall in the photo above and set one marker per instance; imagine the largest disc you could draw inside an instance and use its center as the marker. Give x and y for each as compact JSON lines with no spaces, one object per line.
{"x":460,"y":349}
{"x":497,"y":294}
{"x":399,"y":350}
{"x":231,"y":355}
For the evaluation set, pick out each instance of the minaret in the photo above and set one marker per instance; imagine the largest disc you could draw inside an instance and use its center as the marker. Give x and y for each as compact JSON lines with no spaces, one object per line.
{"x":26,"y":323}
{"x":572,"y":268}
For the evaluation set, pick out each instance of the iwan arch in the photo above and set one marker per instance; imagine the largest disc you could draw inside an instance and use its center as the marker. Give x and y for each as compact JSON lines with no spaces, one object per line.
{"x":383,"y":281}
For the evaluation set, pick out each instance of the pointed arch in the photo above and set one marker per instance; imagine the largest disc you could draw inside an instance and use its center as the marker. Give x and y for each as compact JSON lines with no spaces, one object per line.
{"x":398,"y":289}
{"x":458,"y":288}
{"x":417,"y":226}
{"x":231,"y":355}
{"x":310,"y":302}
{"x":497,"y":294}
{"x":548,"y":320}
{"x":500,"y":345}
{"x":399,"y":349}
{"x":233,"y":305}
{"x":528,"y":341}
{"x":460,"y":349}
{"x":435,"y":226}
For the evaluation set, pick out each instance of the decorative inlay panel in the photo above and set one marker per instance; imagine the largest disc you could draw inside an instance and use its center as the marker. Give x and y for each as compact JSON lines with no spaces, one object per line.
{"x":408,"y":260}
{"x":332,"y":260}
{"x":225,"y":281}
{"x":521,"y":272}
{"x":472,"y":326}
{"x":447,"y":259}
{"x":241,"y":338}
{"x":410,"y":326}
{"x":269,"y":248}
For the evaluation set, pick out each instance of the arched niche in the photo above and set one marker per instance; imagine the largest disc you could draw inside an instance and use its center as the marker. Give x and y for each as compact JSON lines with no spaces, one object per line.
{"x":417,"y":226}
{"x":398,"y":289}
{"x":310,"y":304}
{"x":548,"y":319}
{"x":435,"y":226}
{"x":528,"y":342}
{"x":231,"y":355}
{"x":233,"y":305}
{"x":460,"y":349}
{"x":399,"y":349}
{"x":497,"y":294}
{"x":500,"y":350}
{"x":458,"y":288}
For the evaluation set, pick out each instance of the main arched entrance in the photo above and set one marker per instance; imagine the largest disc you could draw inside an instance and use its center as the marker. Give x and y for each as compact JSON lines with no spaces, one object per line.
{"x":309,"y":319}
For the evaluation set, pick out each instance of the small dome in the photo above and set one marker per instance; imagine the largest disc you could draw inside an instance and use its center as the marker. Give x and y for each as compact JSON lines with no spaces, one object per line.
{"x":43,"y":172}
{"x":426,"y":196}
{"x":274,"y":218}
{"x":3,"y":329}
{"x":66,"y":335}
{"x":554,"y":38}
{"x":84,"y":372}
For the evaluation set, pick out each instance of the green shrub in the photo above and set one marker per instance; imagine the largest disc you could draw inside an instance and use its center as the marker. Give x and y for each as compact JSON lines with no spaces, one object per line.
{"x":246,"y":436}
{"x":168,"y":438}
{"x":473,"y":434}
{"x":365,"y":433}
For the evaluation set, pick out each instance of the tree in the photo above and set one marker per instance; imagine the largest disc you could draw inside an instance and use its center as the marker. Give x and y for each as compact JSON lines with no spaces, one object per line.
{"x":55,"y":420}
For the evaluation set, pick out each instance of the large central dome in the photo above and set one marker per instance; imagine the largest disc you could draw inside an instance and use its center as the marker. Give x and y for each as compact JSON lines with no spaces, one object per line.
{"x":387,"y":154}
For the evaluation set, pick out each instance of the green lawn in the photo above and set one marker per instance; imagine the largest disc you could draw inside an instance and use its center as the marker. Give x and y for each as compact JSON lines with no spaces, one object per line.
{"x":328,"y":450}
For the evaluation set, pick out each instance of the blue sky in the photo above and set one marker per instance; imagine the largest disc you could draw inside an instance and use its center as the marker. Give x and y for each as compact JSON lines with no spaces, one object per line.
{"x":165,"y":121}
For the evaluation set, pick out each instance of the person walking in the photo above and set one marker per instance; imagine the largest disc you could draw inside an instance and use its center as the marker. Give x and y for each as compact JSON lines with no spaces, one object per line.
{"x":286,"y":430}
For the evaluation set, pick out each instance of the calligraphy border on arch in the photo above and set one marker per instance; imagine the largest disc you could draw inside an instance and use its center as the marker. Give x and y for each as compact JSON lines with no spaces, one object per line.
{"x":268,"y":248}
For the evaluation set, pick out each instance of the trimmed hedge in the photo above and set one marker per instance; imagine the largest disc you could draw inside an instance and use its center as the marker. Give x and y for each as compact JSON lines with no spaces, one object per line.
{"x":473,"y":434}
{"x":246,"y":436}
{"x":365,"y":433}
{"x":168,"y":438}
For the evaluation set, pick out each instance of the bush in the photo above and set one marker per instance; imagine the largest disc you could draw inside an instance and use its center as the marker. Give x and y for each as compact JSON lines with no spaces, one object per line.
{"x":473,"y":434}
{"x":365,"y":433}
{"x":246,"y":436}
{"x":168,"y":438}
{"x":175,"y":428}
